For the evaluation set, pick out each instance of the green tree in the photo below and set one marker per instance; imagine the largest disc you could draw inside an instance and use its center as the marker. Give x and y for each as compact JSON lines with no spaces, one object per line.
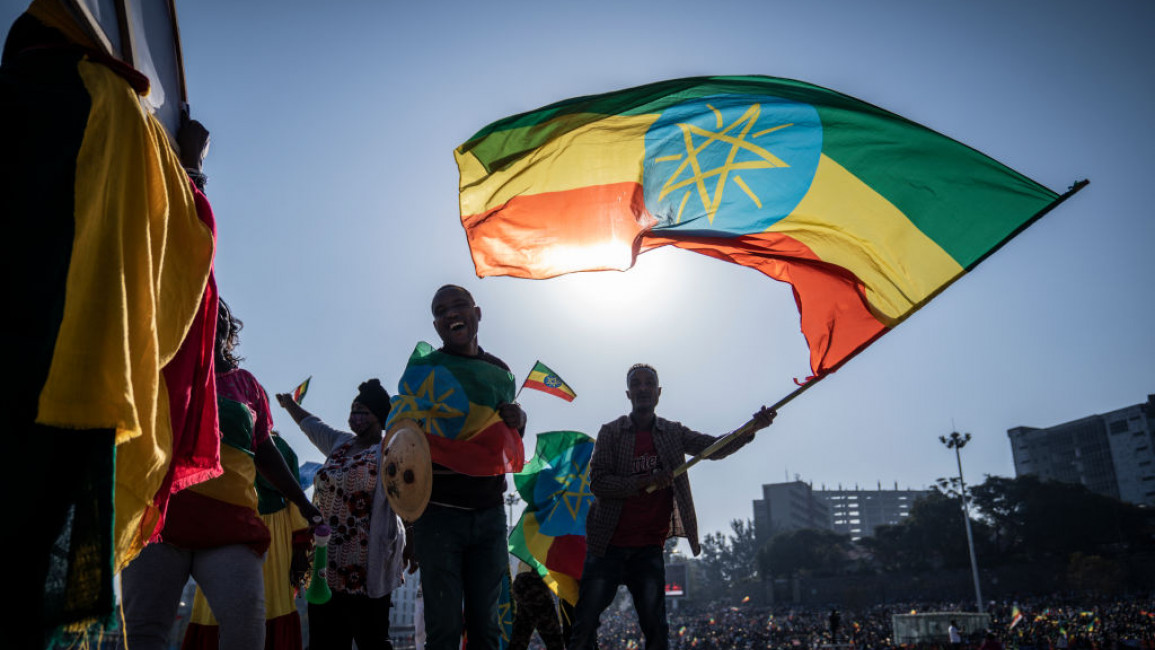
{"x":806,"y":551}
{"x":1036,"y":518}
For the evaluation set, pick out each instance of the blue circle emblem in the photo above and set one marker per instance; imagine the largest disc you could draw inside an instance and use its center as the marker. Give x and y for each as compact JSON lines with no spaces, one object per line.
{"x":432,"y":396}
{"x":730,"y":165}
{"x":564,"y":485}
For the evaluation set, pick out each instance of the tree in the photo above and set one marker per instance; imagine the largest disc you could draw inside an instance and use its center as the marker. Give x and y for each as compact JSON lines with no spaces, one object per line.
{"x":804,"y":551}
{"x":933,"y":536}
{"x":1036,"y":518}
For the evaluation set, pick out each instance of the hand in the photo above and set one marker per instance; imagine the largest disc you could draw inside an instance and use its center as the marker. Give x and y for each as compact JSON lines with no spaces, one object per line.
{"x":285,"y":399}
{"x":311,"y":513}
{"x":512,"y":415}
{"x":655,"y":482}
{"x":299,"y":565}
{"x":193,"y":141}
{"x":763,"y":418}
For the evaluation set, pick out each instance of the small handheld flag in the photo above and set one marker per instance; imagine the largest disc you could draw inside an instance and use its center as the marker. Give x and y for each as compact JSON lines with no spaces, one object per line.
{"x":543,"y":379}
{"x":300,"y":390}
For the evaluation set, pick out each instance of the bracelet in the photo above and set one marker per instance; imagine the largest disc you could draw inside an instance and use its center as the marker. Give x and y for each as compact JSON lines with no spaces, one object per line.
{"x":199,"y":178}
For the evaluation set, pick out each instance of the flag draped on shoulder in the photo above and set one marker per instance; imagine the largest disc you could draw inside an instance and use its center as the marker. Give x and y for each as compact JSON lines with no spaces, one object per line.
{"x":454,"y":400}
{"x":555,"y":485}
{"x":865,"y":213}
{"x":547,"y":381}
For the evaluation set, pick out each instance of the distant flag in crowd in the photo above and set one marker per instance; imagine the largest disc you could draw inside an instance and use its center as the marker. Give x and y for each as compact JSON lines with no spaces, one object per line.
{"x":555,"y":485}
{"x":301,"y":389}
{"x":547,"y":381}
{"x":865,"y":213}
{"x":454,"y":399}
{"x":505,"y":611}
{"x":1016,"y":616}
{"x":307,"y":472}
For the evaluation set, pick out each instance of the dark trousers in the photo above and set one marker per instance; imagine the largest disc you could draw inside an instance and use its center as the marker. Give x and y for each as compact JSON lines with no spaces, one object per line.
{"x":535,"y":610}
{"x":345,"y":618}
{"x":643,"y":572}
{"x":463,"y":558}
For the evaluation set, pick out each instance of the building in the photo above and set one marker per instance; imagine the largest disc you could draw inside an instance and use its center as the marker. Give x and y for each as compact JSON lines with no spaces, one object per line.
{"x":1112,"y":454}
{"x":788,"y":506}
{"x":859,"y":512}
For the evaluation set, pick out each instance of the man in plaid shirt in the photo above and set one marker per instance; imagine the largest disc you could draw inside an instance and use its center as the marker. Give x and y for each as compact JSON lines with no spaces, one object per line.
{"x":627,"y":526}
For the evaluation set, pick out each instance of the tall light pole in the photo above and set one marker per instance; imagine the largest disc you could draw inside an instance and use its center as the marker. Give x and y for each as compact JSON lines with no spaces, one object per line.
{"x":957,"y":441}
{"x":511,"y":500}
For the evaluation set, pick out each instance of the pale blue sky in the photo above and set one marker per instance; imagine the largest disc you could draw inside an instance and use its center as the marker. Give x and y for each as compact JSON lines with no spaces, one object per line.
{"x":332,"y":176}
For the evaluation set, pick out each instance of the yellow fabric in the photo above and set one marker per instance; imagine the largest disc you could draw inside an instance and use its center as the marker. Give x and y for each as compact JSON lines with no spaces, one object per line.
{"x":566,"y":587}
{"x":845,"y":222}
{"x":278,"y":592}
{"x":140,"y":262}
{"x":235,"y":485}
{"x":607,"y":151}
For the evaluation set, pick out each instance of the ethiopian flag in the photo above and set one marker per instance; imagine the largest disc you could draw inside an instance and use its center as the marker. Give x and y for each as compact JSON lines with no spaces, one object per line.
{"x":301,"y":389}
{"x":555,"y":485}
{"x":865,"y":213}
{"x":543,"y":379}
{"x":454,"y":399}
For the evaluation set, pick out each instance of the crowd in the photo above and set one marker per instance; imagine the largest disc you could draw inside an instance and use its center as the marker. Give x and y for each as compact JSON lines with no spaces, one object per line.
{"x":1050,"y":623}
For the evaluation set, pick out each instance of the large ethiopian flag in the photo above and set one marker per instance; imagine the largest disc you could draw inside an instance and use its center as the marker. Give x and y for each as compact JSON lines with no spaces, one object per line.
{"x":866,"y":214}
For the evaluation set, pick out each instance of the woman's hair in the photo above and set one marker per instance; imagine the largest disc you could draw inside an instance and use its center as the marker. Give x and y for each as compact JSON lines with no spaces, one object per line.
{"x":228,"y":338}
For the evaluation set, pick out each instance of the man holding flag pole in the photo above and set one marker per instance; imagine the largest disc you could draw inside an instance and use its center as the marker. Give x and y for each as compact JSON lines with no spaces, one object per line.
{"x":639,"y":501}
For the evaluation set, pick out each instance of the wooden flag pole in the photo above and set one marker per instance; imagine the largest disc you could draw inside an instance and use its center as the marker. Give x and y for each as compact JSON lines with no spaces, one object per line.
{"x":725,"y":440}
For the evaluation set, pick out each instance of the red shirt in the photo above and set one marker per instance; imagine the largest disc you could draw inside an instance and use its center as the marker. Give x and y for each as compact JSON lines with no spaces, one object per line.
{"x":645,"y":519}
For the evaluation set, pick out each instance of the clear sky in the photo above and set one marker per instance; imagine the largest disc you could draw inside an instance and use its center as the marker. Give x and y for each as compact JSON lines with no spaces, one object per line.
{"x":335,"y":190}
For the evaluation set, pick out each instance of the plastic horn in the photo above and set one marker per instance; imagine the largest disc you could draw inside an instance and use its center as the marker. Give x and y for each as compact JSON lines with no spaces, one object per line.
{"x":318,"y":592}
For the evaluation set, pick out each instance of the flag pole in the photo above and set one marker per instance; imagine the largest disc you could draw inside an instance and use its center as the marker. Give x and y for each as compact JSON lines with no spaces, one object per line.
{"x":726,"y":439}
{"x":523,"y":382}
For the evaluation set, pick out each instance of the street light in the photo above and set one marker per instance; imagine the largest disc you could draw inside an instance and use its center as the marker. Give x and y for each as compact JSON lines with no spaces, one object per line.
{"x":511,"y":500}
{"x":957,"y":441}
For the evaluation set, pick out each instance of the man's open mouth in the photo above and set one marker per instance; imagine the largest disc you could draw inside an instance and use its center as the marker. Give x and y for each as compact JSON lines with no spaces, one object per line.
{"x":455,"y":326}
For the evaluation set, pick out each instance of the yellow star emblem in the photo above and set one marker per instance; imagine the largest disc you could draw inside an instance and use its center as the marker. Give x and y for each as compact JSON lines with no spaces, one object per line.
{"x":737,"y":135}
{"x":570,"y":497}
{"x":409,"y":402}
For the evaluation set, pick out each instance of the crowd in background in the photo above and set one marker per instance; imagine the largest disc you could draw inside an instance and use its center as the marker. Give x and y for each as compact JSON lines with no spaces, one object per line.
{"x":1048,"y":623}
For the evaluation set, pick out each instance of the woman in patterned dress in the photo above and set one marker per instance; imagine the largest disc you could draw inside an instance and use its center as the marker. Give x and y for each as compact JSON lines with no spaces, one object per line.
{"x":367,"y":547}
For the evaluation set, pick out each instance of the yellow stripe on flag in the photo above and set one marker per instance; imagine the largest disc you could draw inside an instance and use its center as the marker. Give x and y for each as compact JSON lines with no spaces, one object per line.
{"x":607,"y":151}
{"x":847,"y":223}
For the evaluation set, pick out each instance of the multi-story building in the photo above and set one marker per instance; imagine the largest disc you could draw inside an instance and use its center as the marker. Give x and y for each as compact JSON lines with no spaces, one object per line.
{"x":859,"y":512}
{"x":1112,"y":454}
{"x":788,"y":506}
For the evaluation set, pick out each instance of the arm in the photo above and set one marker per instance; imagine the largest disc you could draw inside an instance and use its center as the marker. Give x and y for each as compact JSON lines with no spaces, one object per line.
{"x":604,"y":482}
{"x":323,"y":437}
{"x":295,"y":410}
{"x":695,"y":443}
{"x":272,"y":466}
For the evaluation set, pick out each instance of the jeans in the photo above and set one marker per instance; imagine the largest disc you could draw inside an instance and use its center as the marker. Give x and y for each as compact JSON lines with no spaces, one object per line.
{"x":463,"y":558}
{"x":643,"y":571}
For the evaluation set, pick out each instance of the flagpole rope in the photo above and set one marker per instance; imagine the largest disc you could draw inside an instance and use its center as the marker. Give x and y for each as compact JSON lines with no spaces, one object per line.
{"x":726,"y":439}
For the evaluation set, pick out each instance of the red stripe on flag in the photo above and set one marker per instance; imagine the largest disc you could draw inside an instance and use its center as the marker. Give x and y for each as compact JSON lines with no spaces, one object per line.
{"x":527,"y":236}
{"x":566,"y":555}
{"x":495,"y":450}
{"x":835,"y":319}
{"x":557,"y":392}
